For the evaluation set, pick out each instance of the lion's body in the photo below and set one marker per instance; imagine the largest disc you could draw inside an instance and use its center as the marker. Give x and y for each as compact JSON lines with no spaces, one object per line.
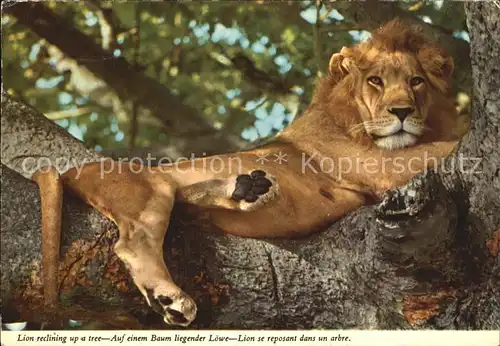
{"x":352,"y":144}
{"x":305,"y":201}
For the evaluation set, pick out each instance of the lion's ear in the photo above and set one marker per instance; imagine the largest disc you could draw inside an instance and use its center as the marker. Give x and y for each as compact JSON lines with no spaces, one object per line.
{"x":437,"y":63}
{"x":340,"y":64}
{"x":447,"y":66}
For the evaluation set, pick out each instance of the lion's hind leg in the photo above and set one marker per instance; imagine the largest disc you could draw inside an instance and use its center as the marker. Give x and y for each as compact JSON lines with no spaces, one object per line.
{"x":243,"y":192}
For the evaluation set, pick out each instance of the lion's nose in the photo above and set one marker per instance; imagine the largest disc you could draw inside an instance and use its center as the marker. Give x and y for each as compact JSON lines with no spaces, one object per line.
{"x":401,"y":112}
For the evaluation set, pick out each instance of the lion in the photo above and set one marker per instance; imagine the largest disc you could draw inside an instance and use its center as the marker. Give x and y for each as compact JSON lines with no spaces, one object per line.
{"x":381,"y":115}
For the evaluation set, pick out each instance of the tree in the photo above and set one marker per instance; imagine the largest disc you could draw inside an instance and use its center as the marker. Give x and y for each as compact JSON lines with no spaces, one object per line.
{"x":438,"y":269}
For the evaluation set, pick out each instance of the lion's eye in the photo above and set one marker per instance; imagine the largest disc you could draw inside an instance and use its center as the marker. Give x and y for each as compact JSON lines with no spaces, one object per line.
{"x":375,"y":80}
{"x":416,"y":81}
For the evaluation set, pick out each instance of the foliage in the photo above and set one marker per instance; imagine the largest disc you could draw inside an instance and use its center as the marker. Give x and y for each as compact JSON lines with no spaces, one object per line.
{"x":248,"y":67}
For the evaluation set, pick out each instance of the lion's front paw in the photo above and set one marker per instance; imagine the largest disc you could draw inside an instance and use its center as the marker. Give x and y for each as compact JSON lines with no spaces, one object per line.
{"x":254,"y":191}
{"x":177,"y":309}
{"x":250,"y":186}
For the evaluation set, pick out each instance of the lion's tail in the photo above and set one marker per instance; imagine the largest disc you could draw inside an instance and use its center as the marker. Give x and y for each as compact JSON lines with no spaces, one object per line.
{"x":51,"y":197}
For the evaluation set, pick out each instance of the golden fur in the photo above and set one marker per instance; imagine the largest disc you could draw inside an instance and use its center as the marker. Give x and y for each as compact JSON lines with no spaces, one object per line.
{"x":334,"y":160}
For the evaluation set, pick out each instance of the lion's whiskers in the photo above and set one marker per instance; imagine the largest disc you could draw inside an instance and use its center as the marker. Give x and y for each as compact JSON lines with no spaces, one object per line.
{"x":368,"y":126}
{"x":356,"y":128}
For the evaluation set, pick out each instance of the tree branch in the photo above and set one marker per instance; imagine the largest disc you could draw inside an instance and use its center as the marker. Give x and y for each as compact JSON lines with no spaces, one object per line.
{"x":135,"y":107}
{"x":108,"y":27}
{"x":259,"y":79}
{"x":262,"y":80}
{"x":318,"y":51}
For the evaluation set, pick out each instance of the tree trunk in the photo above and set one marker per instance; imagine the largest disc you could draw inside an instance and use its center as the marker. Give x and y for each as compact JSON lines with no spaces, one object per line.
{"x":436,"y":269}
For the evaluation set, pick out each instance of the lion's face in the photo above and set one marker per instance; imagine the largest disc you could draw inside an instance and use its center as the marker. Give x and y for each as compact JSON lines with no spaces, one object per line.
{"x":399,"y":83}
{"x":392,"y":99}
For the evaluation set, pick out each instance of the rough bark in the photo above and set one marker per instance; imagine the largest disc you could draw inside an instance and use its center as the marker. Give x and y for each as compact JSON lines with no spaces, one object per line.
{"x":28,"y":136}
{"x":481,"y":217}
{"x":434,"y":266}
